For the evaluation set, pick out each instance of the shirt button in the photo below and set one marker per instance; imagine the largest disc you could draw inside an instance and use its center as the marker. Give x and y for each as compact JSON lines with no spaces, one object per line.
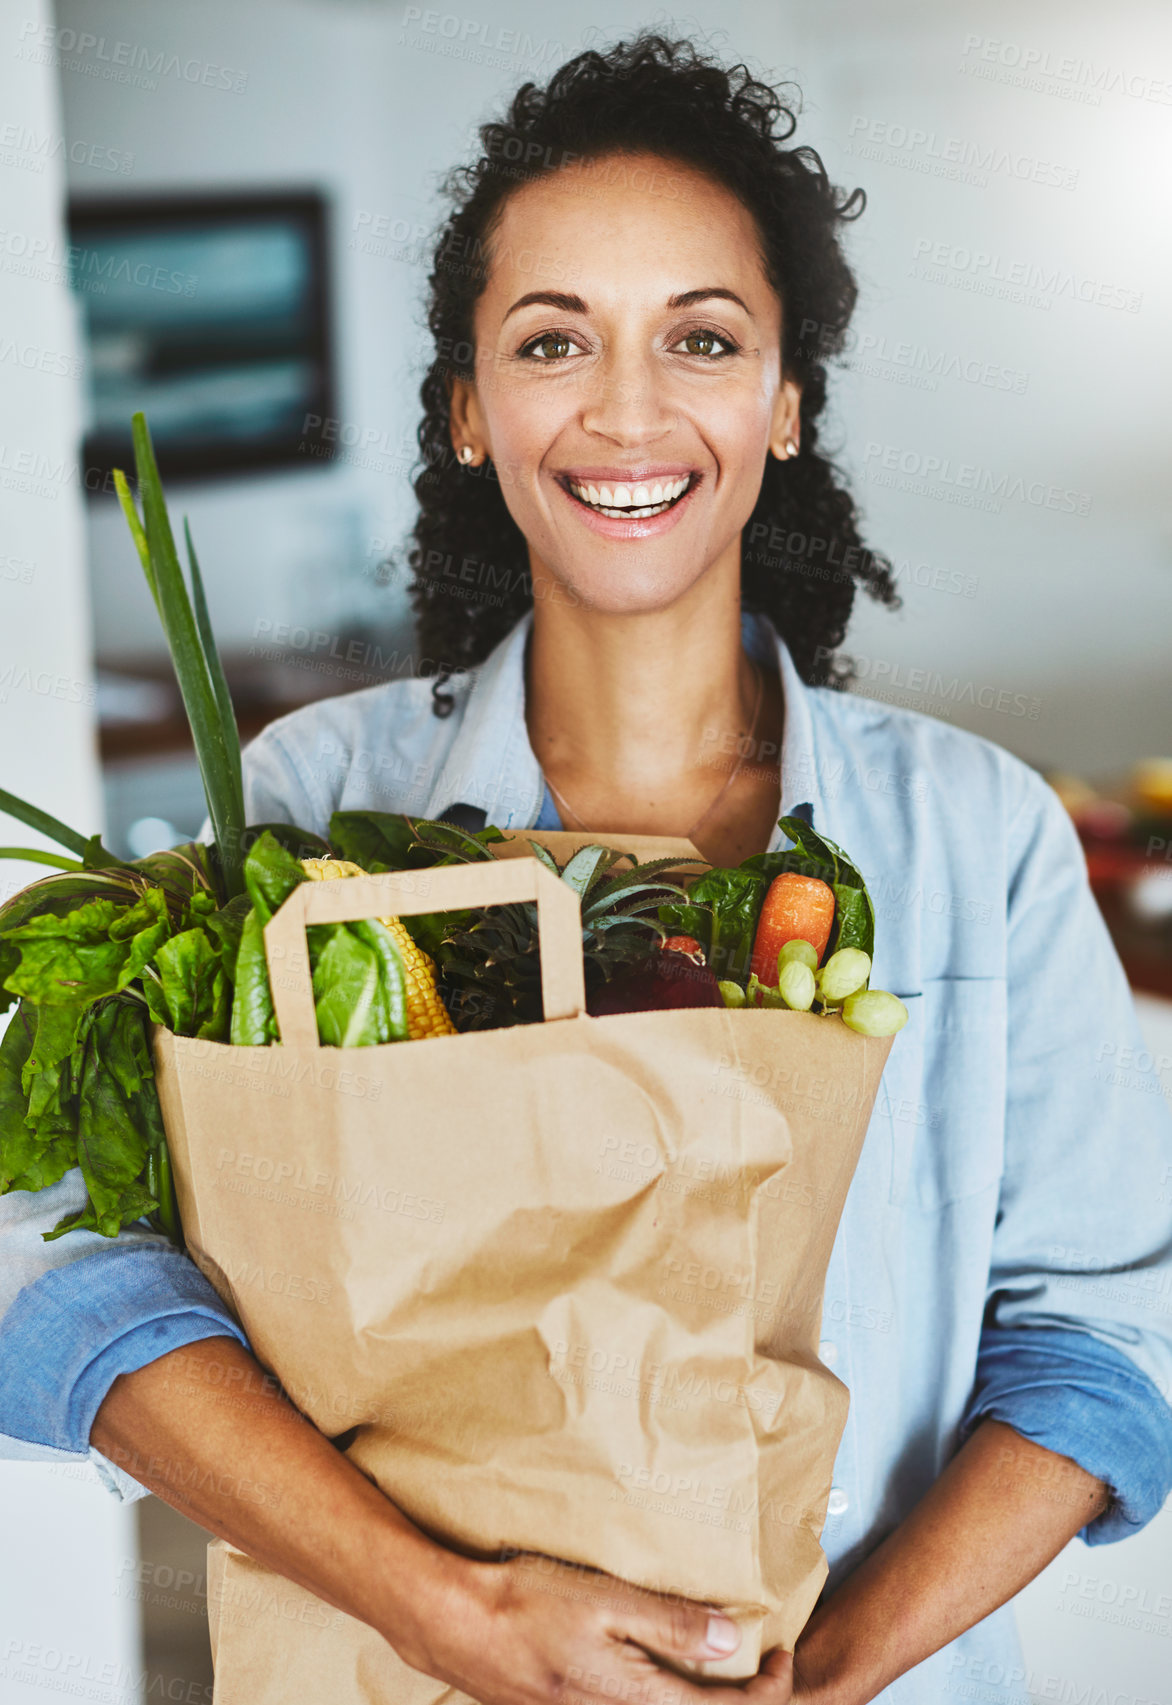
{"x":837,"y":1501}
{"x":828,"y":1350}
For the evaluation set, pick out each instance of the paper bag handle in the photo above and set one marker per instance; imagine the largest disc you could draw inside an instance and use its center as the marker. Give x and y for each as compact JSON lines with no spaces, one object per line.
{"x":403,"y":893}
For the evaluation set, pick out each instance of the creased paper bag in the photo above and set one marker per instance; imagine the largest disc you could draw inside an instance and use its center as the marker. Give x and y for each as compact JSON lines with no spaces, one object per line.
{"x":560,"y":1284}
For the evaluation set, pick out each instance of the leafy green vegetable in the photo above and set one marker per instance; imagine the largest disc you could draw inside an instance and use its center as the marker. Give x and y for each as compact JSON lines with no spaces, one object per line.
{"x":721,"y":912}
{"x":94,"y":950}
{"x":52,"y":827}
{"x":194,"y":986}
{"x":388,"y":840}
{"x":352,"y":998}
{"x":723,"y":906}
{"x":254,"y":1023}
{"x":392,"y":977}
{"x":40,"y":855}
{"x":198,"y":670}
{"x":359,"y":985}
{"x":813,"y":855}
{"x":118,"y":1117}
{"x":93,"y":959}
{"x":385,"y":840}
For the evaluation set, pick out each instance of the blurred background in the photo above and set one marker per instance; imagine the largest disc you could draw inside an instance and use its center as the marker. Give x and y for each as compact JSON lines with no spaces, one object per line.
{"x":220,"y":213}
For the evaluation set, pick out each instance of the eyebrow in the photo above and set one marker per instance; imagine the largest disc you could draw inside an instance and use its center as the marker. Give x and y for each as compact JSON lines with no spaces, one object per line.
{"x":575,"y":305}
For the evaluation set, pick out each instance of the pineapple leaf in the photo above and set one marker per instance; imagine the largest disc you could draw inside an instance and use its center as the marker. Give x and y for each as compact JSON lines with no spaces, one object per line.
{"x":546,"y":857}
{"x":581,"y":870}
{"x":611,"y":901}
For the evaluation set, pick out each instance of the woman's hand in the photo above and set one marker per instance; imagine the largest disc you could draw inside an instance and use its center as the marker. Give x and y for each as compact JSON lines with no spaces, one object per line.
{"x":534,"y":1630}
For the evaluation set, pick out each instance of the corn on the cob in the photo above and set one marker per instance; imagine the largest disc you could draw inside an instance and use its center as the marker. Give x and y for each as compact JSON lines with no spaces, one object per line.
{"x":426,"y":1013}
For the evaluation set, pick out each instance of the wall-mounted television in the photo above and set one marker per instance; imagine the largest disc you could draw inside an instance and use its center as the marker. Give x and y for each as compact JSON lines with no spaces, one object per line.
{"x":211,"y":314}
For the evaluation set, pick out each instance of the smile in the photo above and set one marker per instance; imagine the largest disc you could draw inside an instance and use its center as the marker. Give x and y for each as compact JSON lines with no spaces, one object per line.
{"x":631,"y":503}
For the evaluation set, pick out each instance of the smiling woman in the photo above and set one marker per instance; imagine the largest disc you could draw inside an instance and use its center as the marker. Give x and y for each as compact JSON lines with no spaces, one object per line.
{"x":699,"y":251}
{"x":637,"y":441}
{"x":623,"y":478}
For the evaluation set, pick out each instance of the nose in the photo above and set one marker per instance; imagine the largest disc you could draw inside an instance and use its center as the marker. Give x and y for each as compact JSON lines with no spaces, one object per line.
{"x":627,"y":404}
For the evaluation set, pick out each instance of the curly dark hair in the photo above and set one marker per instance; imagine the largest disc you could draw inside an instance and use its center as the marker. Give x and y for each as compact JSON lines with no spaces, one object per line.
{"x":801,"y":552}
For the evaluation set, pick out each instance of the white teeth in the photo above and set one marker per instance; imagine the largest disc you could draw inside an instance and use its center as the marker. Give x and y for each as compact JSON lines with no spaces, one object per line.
{"x":635,"y":500}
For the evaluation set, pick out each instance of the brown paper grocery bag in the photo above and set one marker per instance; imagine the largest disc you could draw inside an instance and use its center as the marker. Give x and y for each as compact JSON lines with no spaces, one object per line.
{"x":562,"y":1282}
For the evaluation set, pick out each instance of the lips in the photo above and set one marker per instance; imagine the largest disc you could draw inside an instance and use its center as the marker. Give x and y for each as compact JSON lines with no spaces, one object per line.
{"x":648,"y":497}
{"x":640,"y":504}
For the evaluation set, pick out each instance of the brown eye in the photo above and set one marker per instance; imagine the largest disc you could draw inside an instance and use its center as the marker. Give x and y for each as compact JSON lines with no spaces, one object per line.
{"x":561,"y":346}
{"x":708,"y":339}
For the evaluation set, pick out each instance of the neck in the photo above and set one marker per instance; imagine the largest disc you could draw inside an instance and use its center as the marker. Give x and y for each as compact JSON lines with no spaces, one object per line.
{"x":630,"y":716}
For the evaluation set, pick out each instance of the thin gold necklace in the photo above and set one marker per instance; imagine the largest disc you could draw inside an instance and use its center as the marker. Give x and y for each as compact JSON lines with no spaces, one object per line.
{"x":732,"y":775}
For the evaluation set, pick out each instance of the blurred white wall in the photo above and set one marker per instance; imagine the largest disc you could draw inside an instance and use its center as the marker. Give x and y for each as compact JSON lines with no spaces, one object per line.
{"x":64,"y":1541}
{"x":1014,"y":256}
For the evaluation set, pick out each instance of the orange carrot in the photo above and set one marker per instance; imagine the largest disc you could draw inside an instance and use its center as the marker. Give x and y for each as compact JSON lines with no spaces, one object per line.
{"x":795,"y":908}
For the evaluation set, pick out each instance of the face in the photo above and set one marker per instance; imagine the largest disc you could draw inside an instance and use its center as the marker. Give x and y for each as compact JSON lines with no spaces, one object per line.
{"x":627,"y":379}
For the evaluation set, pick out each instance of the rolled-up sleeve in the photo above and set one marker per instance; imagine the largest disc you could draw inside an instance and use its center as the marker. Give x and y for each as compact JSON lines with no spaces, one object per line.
{"x":1076,"y":1344}
{"x":77,"y":1312}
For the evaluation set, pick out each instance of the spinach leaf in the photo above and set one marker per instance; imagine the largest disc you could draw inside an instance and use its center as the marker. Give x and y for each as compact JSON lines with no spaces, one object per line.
{"x":226,"y":925}
{"x":271,"y":874}
{"x":721,"y":911}
{"x":194,"y":986}
{"x":348,"y":993}
{"x":45,"y":1078}
{"x":377,"y":840}
{"x":87,"y":953}
{"x":253,"y":1023}
{"x":854,"y":919}
{"x":118,"y":1117}
{"x":392,"y":977}
{"x":30,"y":1157}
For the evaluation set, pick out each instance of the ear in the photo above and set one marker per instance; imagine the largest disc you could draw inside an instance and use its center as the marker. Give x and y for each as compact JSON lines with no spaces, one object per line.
{"x":786,"y":421}
{"x":466,"y":416}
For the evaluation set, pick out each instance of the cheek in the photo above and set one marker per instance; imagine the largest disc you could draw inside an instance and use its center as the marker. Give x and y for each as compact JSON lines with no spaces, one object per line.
{"x":521,"y":427}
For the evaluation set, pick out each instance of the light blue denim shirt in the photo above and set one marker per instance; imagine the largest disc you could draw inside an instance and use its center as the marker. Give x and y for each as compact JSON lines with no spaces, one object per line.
{"x":1006,"y":1243}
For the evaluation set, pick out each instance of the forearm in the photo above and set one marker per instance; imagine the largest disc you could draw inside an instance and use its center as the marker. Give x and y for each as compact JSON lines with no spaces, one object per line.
{"x":1003,"y":1508}
{"x":208,"y":1431}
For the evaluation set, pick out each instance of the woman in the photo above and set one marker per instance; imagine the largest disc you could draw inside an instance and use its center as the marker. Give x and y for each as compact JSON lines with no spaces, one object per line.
{"x":633,"y":562}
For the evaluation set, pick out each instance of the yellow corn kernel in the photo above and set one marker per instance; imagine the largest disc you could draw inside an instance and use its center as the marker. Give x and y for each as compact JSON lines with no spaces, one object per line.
{"x":426,"y":1013}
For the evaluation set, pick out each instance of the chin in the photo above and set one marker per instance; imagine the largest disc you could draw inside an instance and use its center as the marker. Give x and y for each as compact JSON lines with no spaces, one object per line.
{"x":624,"y":594}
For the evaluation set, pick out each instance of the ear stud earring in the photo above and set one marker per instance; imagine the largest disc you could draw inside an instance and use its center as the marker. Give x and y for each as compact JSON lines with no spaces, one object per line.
{"x":791,"y":448}
{"x":466,"y":452}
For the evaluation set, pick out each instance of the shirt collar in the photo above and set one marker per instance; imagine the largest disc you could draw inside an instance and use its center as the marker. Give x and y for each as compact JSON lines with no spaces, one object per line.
{"x":492,"y":766}
{"x":490,"y":763}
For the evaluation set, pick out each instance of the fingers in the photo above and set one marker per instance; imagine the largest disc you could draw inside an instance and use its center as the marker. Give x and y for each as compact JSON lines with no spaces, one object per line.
{"x":772,"y":1685}
{"x":774,"y":1682}
{"x":676,"y":1628}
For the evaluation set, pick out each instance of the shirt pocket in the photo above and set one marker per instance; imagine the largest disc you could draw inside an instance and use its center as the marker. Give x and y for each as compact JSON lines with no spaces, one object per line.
{"x":941,"y":1101}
